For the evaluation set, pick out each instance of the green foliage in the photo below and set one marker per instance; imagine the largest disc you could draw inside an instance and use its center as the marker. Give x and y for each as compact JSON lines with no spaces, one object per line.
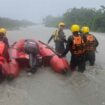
{"x":13,"y":24}
{"x":94,"y":18}
{"x":51,"y":21}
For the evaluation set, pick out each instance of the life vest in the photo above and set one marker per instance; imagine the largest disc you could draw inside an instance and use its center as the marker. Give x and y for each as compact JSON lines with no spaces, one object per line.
{"x":56,"y":36}
{"x":78,"y":46}
{"x":2,"y":47}
{"x":90,"y":43}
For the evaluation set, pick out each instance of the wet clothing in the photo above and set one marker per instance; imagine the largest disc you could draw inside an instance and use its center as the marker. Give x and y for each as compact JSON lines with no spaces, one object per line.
{"x":78,"y":61}
{"x":4,"y":51}
{"x":31,"y":48}
{"x":91,"y":45}
{"x":5,"y":40}
{"x":59,"y":47}
{"x":76,"y":45}
{"x":6,"y":54}
{"x":91,"y":42}
{"x":90,"y":56}
{"x":59,"y":39}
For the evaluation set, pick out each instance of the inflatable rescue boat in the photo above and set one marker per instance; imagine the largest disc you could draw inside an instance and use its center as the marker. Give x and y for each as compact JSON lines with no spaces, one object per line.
{"x":21,"y":59}
{"x":6,"y":68}
{"x":50,"y":57}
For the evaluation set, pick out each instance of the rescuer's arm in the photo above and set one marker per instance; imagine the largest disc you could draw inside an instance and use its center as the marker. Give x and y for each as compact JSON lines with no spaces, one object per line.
{"x":67,"y":47}
{"x":97,"y":43}
{"x":50,"y":39}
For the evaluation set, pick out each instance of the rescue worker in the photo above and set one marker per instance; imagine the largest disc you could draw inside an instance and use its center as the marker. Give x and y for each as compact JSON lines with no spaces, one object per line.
{"x":59,"y":38}
{"x":3,"y":36}
{"x":4,"y":39}
{"x":91,"y":45}
{"x":31,"y":48}
{"x":75,"y":45}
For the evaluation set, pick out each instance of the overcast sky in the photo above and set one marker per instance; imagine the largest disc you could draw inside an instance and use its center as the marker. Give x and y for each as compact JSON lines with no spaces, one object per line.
{"x":35,"y":10}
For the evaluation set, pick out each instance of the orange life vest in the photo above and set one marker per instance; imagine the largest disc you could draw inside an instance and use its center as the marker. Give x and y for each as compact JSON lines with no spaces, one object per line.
{"x":78,"y":47}
{"x":2,"y":47}
{"x":90,"y":43}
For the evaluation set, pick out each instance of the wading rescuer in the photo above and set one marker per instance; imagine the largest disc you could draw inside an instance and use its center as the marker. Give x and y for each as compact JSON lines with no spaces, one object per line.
{"x":4,"y":39}
{"x":91,"y":44}
{"x":59,"y":38}
{"x":75,"y":45}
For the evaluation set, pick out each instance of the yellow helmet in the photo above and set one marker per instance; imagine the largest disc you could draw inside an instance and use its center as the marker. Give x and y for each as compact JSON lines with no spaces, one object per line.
{"x":61,"y":24}
{"x":75,"y":28}
{"x":85,"y":29}
{"x":3,"y":30}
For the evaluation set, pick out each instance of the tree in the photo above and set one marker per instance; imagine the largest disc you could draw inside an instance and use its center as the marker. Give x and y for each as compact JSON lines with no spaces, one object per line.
{"x":94,"y":18}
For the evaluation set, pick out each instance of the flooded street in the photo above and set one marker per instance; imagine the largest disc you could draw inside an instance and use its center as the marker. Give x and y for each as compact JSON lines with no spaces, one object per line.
{"x":49,"y":88}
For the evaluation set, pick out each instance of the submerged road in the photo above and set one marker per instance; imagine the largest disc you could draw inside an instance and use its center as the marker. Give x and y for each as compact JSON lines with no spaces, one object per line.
{"x":49,"y":88}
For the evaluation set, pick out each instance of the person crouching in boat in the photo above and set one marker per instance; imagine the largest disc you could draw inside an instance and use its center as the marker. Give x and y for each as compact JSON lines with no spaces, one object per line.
{"x":31,"y":48}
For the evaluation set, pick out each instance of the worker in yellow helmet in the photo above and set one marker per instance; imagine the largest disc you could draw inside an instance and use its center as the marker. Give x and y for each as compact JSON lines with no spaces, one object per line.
{"x":4,"y":39}
{"x":91,"y":45}
{"x":3,"y":36}
{"x":59,"y":38}
{"x":75,"y":45}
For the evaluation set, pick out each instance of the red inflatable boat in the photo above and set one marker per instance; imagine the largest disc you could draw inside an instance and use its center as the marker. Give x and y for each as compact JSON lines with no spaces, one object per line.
{"x":59,"y":65}
{"x":45,"y":52}
{"x":21,"y":59}
{"x":6,"y":68}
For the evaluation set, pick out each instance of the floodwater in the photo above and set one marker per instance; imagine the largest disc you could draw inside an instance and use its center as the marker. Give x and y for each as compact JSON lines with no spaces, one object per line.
{"x":49,"y":88}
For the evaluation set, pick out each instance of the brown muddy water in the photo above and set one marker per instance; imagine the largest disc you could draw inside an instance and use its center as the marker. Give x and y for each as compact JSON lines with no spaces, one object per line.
{"x":49,"y":88}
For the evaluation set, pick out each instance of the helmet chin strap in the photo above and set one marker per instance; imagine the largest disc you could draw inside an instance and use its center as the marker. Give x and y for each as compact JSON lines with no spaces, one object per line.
{"x":75,"y":33}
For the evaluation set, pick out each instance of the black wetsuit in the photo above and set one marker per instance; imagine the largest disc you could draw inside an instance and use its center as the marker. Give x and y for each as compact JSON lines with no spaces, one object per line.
{"x":76,"y":60}
{"x":90,"y":53}
{"x":59,"y":43}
